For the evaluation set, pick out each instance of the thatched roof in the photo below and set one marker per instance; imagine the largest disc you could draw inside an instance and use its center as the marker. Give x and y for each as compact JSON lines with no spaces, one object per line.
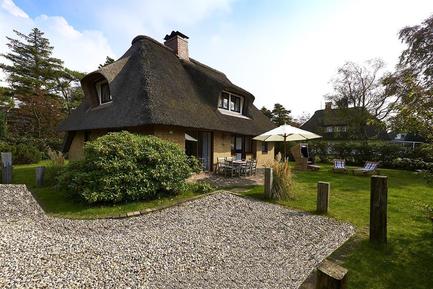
{"x":149,"y":85}
{"x":350,"y":117}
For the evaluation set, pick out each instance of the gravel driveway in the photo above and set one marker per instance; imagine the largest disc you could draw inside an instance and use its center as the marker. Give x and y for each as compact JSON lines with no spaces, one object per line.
{"x":219,"y":241}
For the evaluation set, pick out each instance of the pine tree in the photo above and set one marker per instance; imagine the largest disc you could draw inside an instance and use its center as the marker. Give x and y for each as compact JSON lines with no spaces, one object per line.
{"x":281,"y":115}
{"x":32,"y":75}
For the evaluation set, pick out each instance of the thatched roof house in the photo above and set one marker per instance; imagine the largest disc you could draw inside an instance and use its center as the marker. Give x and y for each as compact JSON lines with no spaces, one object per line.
{"x":344,"y":124}
{"x":158,"y":89}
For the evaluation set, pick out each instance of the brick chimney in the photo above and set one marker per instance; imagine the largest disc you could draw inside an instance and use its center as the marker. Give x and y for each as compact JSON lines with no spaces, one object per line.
{"x":179,"y":43}
{"x":328,"y":105}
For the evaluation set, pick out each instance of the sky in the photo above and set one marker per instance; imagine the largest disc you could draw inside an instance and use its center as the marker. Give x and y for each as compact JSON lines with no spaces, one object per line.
{"x":281,"y":51}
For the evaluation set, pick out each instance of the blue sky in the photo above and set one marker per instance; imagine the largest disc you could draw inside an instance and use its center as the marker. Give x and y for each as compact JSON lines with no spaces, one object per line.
{"x":281,"y":51}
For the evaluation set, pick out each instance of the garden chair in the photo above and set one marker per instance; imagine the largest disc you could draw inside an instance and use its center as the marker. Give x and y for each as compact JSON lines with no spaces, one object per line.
{"x":231,"y":169}
{"x":245,"y":169}
{"x":339,"y":166}
{"x":368,"y":169}
{"x":253,"y":167}
{"x":219,"y":167}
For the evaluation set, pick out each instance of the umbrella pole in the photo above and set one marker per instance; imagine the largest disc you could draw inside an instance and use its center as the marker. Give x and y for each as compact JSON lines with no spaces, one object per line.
{"x":285,"y":153}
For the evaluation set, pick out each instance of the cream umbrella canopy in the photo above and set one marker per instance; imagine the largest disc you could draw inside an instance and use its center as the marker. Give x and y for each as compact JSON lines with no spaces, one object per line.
{"x":286,"y":133}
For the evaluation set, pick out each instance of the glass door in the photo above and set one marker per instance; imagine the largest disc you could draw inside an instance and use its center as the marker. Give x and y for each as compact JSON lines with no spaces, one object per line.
{"x":206,"y":150}
{"x":239,"y":144}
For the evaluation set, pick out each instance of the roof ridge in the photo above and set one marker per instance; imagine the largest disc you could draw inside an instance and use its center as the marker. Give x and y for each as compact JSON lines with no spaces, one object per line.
{"x":207,"y":66}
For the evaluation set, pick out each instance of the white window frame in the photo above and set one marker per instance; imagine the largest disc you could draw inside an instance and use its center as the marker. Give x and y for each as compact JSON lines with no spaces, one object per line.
{"x":98,"y":91}
{"x":228,"y":110}
{"x":329,"y":129}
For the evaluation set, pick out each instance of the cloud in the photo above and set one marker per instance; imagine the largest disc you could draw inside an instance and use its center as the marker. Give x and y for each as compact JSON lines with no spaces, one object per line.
{"x":13,"y":9}
{"x":80,"y":50}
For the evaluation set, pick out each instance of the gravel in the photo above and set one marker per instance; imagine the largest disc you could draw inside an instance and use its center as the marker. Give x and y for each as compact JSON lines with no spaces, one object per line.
{"x":219,"y":241}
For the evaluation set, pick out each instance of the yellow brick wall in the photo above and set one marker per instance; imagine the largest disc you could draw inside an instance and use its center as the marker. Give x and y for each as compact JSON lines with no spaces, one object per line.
{"x":264,"y":159}
{"x":174,"y":135}
{"x":221,"y":145}
{"x":76,"y":151}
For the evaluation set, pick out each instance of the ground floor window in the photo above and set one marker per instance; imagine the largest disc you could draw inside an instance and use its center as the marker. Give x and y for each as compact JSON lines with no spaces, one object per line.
{"x":264,"y":147}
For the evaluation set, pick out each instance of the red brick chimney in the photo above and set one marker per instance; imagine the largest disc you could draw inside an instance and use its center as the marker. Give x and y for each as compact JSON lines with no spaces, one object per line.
{"x":178,"y":42}
{"x":328,"y":105}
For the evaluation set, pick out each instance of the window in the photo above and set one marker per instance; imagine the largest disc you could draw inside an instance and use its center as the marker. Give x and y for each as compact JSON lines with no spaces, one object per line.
{"x":103,"y":90}
{"x":235,"y":103}
{"x":264,"y":147}
{"x":329,"y":129}
{"x":231,"y":103}
{"x":344,"y":128}
{"x":224,"y":101}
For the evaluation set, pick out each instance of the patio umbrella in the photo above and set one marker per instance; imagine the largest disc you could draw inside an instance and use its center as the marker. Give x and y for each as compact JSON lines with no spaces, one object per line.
{"x":286,"y":133}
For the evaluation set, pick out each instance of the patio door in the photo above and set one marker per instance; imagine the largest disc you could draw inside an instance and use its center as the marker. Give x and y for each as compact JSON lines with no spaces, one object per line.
{"x":206,"y":150}
{"x":239,"y":145}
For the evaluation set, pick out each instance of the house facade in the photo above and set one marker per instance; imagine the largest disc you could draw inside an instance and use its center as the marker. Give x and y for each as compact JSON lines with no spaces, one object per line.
{"x":347,"y":124}
{"x":157,"y":89}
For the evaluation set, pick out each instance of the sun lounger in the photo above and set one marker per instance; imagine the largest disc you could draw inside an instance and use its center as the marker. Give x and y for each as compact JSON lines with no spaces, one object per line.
{"x":339,"y":166}
{"x":368,"y":169}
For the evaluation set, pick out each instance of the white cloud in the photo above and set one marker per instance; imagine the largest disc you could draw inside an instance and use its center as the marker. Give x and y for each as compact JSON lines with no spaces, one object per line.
{"x":80,"y":50}
{"x":13,"y":9}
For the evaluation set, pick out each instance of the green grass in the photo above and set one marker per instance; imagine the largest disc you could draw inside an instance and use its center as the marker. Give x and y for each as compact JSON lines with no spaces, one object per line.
{"x":58,"y":204}
{"x":407,"y":260}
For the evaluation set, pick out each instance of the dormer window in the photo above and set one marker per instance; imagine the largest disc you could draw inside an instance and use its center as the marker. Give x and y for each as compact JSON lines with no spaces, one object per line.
{"x":231,"y":103}
{"x":103,"y":91}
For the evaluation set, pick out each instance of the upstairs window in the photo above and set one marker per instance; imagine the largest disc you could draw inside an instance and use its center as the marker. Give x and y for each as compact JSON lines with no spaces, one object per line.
{"x":231,"y":103}
{"x":224,"y":101}
{"x":103,"y":91}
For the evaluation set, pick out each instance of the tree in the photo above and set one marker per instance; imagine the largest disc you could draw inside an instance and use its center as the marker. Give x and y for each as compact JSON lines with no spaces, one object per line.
{"x":108,"y":60}
{"x":32,"y":75}
{"x":68,"y":85}
{"x":281,"y":115}
{"x":301,"y":119}
{"x":360,"y":87}
{"x":266,"y":112}
{"x":412,"y":82}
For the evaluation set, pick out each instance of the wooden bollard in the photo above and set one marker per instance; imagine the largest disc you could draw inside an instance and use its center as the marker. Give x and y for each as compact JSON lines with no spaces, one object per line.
{"x":40,"y":173}
{"x":323,"y":190}
{"x":378,"y":208}
{"x":6,"y":167}
{"x":331,"y":276}
{"x":268,"y":183}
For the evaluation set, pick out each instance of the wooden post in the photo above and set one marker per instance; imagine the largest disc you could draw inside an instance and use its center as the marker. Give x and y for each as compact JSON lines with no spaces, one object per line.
{"x":6,"y":167}
{"x":378,"y":208}
{"x":331,"y":276}
{"x":268,"y":183}
{"x":40,"y":172}
{"x":323,"y":190}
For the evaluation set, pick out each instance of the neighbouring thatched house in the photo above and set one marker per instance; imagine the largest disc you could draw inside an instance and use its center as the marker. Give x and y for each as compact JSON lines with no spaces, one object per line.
{"x":158,"y":89}
{"x":335,"y":124}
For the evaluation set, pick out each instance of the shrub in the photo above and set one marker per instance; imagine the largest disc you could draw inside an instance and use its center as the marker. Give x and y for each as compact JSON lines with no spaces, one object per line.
{"x":122,"y":167}
{"x":282,"y":185}
{"x":55,"y":167}
{"x":200,"y":187}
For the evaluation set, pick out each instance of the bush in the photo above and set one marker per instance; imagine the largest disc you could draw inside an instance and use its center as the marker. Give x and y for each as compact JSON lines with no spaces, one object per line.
{"x":200,"y":187}
{"x":122,"y":167}
{"x":28,"y":150}
{"x":21,"y":153}
{"x":55,"y":167}
{"x":282,"y":181}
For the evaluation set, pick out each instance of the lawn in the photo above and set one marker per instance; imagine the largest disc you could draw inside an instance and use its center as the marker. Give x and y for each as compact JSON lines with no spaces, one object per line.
{"x":58,"y":204}
{"x":407,"y":260}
